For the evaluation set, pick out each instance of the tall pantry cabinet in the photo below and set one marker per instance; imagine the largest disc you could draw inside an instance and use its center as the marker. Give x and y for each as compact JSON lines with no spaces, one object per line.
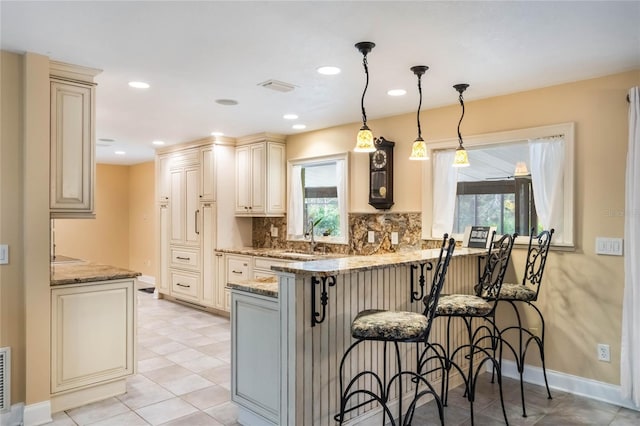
{"x":189,"y":216}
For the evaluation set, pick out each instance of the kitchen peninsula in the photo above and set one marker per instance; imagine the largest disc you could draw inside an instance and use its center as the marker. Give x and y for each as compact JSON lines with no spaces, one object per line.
{"x":93,"y":332}
{"x":295,"y":333}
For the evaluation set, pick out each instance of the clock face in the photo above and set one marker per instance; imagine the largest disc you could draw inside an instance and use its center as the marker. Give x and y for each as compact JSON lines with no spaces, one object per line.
{"x":379,"y":159}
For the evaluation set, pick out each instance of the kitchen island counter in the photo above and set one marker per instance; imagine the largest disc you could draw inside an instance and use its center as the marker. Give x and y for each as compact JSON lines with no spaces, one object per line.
{"x":87,"y":272}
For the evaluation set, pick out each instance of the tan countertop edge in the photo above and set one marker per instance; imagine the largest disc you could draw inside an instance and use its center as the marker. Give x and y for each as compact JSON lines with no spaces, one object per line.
{"x":267,"y":286}
{"x":87,"y":272}
{"x":283,"y":254}
{"x":347,"y":265}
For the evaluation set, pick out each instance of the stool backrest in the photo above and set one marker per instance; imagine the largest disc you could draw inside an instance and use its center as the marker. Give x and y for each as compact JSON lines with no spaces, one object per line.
{"x":537,"y":258}
{"x":495,"y":266}
{"x":439,"y":275}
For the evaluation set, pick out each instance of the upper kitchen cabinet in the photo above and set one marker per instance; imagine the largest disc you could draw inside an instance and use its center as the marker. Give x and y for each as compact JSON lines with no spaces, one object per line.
{"x":72,"y":155}
{"x":260,"y":175}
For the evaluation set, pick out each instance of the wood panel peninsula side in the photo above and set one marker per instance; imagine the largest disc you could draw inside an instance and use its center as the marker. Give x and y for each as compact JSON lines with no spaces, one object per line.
{"x":290,"y":336}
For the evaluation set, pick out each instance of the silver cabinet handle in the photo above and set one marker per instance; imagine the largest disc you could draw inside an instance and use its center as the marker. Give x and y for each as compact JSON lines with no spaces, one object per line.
{"x":196,"y":225}
{"x":183,"y":285}
{"x":183,"y":258}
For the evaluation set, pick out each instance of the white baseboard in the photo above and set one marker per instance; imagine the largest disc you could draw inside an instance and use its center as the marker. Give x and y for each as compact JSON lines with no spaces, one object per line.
{"x":145,"y":281}
{"x":14,"y":416}
{"x":37,"y":414}
{"x":576,"y":385}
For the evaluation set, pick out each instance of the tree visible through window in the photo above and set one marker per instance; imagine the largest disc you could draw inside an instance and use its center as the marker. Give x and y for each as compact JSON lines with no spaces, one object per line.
{"x":321,"y":199}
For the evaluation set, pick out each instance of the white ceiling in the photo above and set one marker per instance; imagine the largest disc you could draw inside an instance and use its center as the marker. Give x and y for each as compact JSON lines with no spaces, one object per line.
{"x":193,"y":53}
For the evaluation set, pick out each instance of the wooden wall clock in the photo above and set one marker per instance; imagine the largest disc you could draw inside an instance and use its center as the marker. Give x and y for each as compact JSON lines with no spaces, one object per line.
{"x":381,"y":174}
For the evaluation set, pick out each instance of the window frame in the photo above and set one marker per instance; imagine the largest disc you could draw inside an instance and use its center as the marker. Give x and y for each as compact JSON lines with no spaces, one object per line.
{"x":344,"y":221}
{"x":499,"y":138}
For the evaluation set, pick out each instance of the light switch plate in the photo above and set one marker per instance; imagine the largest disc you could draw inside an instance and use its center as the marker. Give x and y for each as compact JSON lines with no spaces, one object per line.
{"x":371,"y":237}
{"x":609,"y":246}
{"x":4,"y":254}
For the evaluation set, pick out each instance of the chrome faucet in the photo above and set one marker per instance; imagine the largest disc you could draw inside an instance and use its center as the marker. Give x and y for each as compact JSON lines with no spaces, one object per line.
{"x":309,"y":234}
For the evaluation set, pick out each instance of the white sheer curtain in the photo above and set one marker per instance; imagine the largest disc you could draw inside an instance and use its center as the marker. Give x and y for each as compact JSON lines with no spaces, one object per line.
{"x":342,"y":202}
{"x":630,"y":349}
{"x":546,"y":156}
{"x":296,"y":199}
{"x":445,"y":185}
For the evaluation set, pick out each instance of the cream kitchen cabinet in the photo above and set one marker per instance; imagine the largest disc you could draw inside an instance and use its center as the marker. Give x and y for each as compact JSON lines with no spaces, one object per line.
{"x":260,"y":176}
{"x":184,"y":205}
{"x":72,"y":134}
{"x":163,"y":186}
{"x":93,"y":340}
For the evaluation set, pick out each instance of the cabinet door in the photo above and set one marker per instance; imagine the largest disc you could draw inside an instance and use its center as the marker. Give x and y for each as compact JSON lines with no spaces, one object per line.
{"x":208,"y":184}
{"x":192,"y":205}
{"x":258,"y":177}
{"x":209,"y":265}
{"x":163,"y":263}
{"x":177,"y":207}
{"x":243,"y":179}
{"x":92,"y":334}
{"x":276,"y":177}
{"x":72,"y":150}
{"x":163,"y":185}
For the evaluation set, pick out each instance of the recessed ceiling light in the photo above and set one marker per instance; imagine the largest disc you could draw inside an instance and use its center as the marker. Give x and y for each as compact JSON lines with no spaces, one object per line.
{"x":290,"y":117}
{"x":120,"y":153}
{"x":217,"y":134}
{"x":397,"y":92}
{"x":299,"y":126}
{"x":158,"y":142}
{"x":226,"y":102}
{"x":329,"y":70}
{"x":139,"y":84}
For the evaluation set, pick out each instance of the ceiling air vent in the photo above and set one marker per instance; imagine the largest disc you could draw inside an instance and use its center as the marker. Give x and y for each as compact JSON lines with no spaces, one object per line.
{"x":5,"y":368}
{"x":278,"y":86}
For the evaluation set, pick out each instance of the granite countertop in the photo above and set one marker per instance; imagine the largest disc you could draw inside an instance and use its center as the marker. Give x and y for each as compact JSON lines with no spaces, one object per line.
{"x":283,"y":254}
{"x":86,"y":272}
{"x":266,"y":286}
{"x":347,"y":265}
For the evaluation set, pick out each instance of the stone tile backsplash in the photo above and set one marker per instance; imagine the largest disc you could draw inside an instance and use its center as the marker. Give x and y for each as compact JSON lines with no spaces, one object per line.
{"x":407,"y":225}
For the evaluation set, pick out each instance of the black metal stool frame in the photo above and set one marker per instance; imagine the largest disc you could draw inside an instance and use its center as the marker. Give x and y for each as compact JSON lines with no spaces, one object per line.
{"x":489,"y":285}
{"x":534,"y":269}
{"x":416,"y":377}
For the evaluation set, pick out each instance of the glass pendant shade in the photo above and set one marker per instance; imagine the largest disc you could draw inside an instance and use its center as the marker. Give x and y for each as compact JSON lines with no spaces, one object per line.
{"x":419,"y":150}
{"x":364,"y":141}
{"x":521,"y":169}
{"x":461,"y":159}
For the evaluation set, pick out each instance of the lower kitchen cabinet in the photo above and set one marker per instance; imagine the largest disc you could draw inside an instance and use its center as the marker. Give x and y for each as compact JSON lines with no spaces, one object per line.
{"x":93,"y":339}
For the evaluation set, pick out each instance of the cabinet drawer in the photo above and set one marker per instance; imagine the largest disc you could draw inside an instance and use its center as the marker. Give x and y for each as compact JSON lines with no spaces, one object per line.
{"x":184,"y":284}
{"x":266,"y":263}
{"x":257,"y":274}
{"x":185,"y":258}
{"x":237,"y":269}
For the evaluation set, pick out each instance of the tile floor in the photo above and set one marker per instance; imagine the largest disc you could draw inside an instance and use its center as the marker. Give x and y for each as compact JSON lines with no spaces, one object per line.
{"x":184,"y":379}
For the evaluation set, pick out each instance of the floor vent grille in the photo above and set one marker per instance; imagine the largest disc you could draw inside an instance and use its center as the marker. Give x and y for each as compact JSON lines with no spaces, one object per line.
{"x":5,"y":368}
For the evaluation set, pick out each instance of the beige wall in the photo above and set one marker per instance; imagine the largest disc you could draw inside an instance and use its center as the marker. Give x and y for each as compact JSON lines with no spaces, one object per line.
{"x":104,"y":239}
{"x":582,"y":294}
{"x":12,"y":310}
{"x":123,"y":232}
{"x":142,"y":231}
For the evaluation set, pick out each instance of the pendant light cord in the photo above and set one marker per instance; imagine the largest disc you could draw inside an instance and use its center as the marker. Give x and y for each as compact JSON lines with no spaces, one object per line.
{"x":366,"y":71}
{"x":419,"y":106}
{"x":460,"y":122}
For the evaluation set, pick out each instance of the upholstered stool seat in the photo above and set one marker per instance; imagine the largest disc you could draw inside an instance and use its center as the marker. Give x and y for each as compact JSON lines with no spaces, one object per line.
{"x":523,"y":293}
{"x":375,"y":324}
{"x":462,"y":305}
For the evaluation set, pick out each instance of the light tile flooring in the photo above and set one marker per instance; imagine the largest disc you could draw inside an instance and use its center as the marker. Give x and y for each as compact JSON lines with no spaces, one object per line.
{"x":184,"y":379}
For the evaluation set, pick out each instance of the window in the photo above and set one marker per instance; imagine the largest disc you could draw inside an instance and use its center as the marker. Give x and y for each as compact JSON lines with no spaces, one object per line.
{"x":317,"y":199}
{"x":497,"y":190}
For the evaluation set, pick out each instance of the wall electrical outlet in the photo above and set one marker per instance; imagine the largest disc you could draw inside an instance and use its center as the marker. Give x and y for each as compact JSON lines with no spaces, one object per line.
{"x":274,"y":231}
{"x":371,"y":237}
{"x":4,"y":254}
{"x":394,"y":238}
{"x":603,"y":353}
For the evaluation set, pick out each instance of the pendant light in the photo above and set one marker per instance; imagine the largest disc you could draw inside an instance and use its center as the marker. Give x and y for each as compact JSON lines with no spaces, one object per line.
{"x":419,"y":148}
{"x":461,"y":159}
{"x":364,"y":141}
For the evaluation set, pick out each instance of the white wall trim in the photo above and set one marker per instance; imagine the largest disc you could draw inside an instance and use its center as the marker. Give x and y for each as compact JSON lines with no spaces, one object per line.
{"x":37,"y":414}
{"x":145,"y":281}
{"x":13,"y":417}
{"x":576,"y":385}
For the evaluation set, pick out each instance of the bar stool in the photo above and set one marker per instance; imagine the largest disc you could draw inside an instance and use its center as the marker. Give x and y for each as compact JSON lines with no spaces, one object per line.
{"x":484,"y":340}
{"x":527,"y":293}
{"x":393,"y":327}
